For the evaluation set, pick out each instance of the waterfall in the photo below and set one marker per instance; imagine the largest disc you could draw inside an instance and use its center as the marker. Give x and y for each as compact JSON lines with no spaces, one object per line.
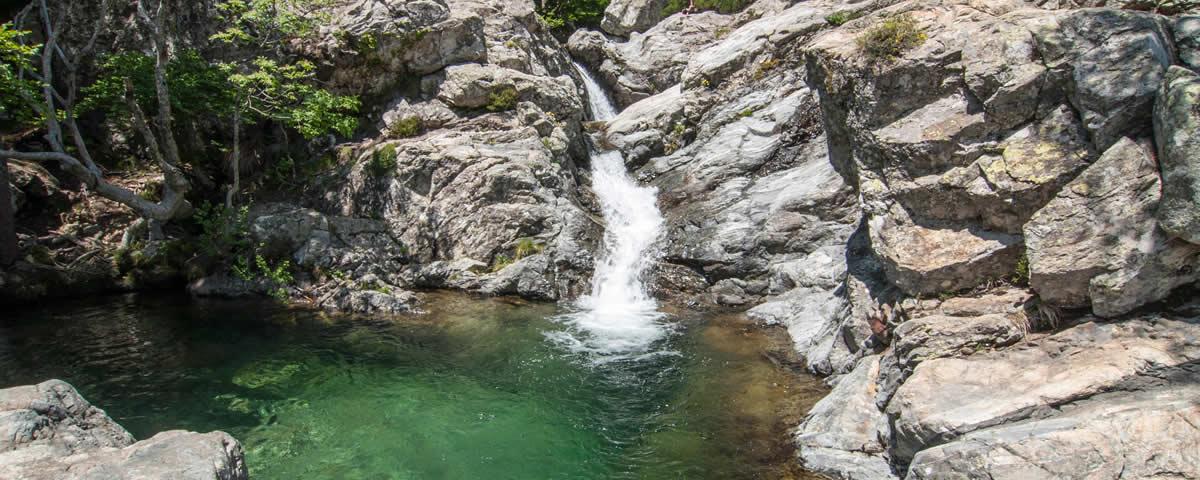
{"x":619,"y":318}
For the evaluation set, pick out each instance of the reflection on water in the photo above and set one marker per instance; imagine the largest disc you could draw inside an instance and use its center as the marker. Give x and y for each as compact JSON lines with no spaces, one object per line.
{"x":471,"y":390}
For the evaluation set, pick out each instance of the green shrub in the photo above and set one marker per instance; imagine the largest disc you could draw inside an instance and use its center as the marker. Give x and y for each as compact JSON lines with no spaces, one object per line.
{"x":406,"y":127}
{"x":501,"y":262}
{"x":383,"y":161}
{"x":1021,"y":271}
{"x":892,"y":37}
{"x":722,"y":6}
{"x":841,"y":17}
{"x":527,"y":247}
{"x":562,"y":14}
{"x":224,"y":232}
{"x":502,"y":100}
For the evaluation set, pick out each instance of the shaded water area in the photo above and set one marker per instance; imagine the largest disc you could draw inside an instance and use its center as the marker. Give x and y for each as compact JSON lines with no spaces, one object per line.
{"x":473,"y":389}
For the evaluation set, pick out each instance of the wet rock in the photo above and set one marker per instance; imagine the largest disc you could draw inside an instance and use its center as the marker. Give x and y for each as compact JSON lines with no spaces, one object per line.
{"x":1097,"y":243}
{"x":845,"y":435}
{"x":48,"y":431}
{"x":1177,"y":130}
{"x":644,"y":130}
{"x":947,"y":398}
{"x":526,"y":277}
{"x":1126,"y":435}
{"x":374,"y":298}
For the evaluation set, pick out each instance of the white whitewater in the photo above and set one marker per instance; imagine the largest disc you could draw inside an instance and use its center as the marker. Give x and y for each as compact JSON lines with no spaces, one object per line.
{"x":619,"y":318}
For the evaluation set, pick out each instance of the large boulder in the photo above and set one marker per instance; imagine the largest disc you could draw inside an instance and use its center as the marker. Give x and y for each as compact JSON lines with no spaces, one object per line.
{"x":1098,"y":243}
{"x":478,"y":86}
{"x":1115,"y":60}
{"x":1177,"y":130}
{"x":939,"y":336}
{"x":431,"y":209}
{"x":947,"y":398}
{"x":623,"y":17}
{"x":48,"y":431}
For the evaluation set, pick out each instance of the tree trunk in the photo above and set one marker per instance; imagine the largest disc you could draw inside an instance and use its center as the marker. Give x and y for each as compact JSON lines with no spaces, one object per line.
{"x":8,"y":221}
{"x":237,"y":159}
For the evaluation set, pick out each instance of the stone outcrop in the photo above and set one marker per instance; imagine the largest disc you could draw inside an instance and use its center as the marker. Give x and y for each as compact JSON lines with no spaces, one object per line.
{"x":48,"y":431}
{"x":648,"y":63}
{"x":1125,"y":435}
{"x":845,"y":435}
{"x":1176,"y":121}
{"x":623,"y":17}
{"x":1014,"y":144}
{"x":1098,"y":242}
{"x":950,"y":397}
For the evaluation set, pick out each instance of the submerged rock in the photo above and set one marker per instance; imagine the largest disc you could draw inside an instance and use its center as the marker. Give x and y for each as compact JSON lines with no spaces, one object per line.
{"x":48,"y":431}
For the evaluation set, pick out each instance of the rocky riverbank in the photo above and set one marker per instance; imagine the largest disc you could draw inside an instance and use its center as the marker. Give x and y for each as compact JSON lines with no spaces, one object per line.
{"x":49,"y":431}
{"x":987,"y":238}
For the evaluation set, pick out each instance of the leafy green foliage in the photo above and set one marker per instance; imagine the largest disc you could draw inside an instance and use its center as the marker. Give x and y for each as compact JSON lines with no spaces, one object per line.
{"x":224,"y":232}
{"x":502,"y":100}
{"x":383,"y":161}
{"x":561,"y":14}
{"x":723,"y":6}
{"x":892,"y":37}
{"x":266,"y":89}
{"x":266,"y":23}
{"x":501,"y":262}
{"x":197,"y":88}
{"x":1020,"y":274}
{"x":14,"y":90}
{"x":841,"y":17}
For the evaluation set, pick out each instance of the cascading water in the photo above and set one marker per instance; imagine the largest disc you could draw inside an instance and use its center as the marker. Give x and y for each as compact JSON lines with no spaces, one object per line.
{"x":619,"y":318}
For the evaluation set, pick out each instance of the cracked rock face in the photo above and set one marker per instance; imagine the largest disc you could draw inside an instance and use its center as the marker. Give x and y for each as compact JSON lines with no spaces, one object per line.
{"x":1138,"y":434}
{"x":947,"y":398}
{"x":48,"y":431}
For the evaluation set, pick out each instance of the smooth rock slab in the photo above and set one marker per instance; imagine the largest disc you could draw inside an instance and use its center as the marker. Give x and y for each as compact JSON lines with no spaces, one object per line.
{"x":946,"y":398}
{"x":1153,"y":434}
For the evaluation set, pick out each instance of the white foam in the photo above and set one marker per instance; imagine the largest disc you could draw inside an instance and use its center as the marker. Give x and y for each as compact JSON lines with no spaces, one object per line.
{"x":619,"y":319}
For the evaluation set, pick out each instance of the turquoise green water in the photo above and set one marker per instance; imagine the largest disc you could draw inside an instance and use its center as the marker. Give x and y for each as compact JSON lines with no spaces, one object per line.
{"x":471,"y":390}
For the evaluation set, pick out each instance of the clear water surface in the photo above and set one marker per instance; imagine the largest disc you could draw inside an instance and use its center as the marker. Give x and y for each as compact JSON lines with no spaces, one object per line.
{"x":471,"y":390}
